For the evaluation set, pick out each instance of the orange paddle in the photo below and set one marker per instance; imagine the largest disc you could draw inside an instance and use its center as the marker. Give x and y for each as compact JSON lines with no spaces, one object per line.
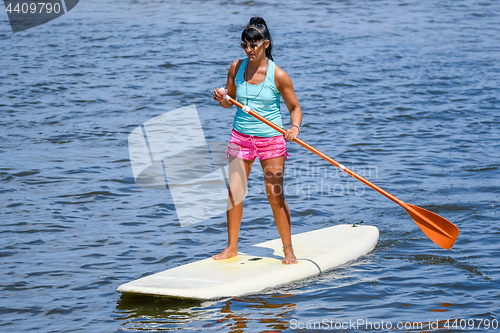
{"x":438,"y":229}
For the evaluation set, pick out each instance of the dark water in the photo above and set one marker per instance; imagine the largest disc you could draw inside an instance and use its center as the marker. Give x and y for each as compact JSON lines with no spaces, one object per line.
{"x":405,"y":93}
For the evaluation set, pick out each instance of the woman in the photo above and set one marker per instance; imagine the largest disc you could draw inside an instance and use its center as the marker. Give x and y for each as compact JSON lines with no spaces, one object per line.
{"x":258,"y":83}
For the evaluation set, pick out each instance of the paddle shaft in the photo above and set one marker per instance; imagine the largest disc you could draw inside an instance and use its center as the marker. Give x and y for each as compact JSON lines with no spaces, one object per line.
{"x":322,"y":155}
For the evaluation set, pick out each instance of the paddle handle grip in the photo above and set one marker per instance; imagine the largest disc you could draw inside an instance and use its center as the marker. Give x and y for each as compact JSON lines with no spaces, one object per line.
{"x":316,"y":151}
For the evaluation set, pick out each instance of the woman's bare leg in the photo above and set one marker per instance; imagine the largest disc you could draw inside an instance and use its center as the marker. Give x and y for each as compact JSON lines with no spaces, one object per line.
{"x":239,"y":170}
{"x":274,"y":169}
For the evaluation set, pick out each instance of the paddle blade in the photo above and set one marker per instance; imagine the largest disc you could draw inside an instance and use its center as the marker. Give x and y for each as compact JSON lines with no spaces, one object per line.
{"x":438,"y":229}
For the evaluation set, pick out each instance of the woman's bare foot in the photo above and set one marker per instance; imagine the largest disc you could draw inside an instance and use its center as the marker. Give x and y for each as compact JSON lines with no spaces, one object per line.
{"x":289,"y":257}
{"x":227,"y":253}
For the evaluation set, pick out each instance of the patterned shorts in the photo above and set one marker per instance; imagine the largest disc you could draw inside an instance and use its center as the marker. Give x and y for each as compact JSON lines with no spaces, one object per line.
{"x":248,"y":147}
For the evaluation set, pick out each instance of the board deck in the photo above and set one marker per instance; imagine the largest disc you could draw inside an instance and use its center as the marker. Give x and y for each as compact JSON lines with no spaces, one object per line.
{"x":260,"y":267}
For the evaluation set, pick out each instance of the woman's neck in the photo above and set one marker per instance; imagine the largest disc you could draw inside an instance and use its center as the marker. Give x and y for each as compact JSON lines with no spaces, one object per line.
{"x":257,"y":63}
{"x":254,"y":68}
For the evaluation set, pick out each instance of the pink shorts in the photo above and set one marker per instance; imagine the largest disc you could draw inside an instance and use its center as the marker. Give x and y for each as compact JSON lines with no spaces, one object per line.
{"x":248,"y":147}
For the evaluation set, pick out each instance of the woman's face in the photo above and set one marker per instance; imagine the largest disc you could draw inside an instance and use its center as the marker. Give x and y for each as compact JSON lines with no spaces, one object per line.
{"x":255,"y":50}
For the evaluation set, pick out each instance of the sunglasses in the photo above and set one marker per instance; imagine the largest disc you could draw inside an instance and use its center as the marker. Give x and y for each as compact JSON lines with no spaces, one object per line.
{"x":253,"y":46}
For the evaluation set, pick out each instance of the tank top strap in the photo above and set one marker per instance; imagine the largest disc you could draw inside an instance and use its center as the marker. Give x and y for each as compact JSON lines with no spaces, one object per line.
{"x":241,"y":71}
{"x":270,"y":74}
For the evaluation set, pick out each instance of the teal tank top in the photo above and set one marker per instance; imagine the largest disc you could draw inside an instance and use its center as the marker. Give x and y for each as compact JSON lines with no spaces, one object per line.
{"x":263,"y":98}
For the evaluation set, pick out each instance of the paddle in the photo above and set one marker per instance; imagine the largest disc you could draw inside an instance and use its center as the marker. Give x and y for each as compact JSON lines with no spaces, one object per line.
{"x":438,"y":229}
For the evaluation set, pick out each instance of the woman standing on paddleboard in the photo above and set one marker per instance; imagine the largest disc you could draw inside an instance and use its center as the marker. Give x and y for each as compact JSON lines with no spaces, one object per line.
{"x":259,"y":83}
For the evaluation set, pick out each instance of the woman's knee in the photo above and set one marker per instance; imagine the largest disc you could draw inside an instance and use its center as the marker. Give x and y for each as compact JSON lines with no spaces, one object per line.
{"x":275,"y":193}
{"x":237,"y":190}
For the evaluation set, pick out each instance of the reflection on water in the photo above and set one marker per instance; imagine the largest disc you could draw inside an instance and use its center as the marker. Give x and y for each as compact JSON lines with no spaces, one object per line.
{"x":237,"y":315}
{"x":149,"y":313}
{"x":275,"y":309}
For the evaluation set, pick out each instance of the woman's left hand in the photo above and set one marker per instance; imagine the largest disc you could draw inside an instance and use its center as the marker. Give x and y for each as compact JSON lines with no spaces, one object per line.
{"x":292,"y":133}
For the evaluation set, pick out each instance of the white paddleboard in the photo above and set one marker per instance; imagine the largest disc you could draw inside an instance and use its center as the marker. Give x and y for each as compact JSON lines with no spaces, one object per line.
{"x":260,"y":267}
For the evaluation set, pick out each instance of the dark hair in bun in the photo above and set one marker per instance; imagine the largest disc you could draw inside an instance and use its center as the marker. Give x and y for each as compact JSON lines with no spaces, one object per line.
{"x":257,"y":30}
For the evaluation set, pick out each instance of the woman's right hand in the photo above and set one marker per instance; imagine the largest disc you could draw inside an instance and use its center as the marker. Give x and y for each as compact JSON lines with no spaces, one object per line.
{"x":218,"y":94}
